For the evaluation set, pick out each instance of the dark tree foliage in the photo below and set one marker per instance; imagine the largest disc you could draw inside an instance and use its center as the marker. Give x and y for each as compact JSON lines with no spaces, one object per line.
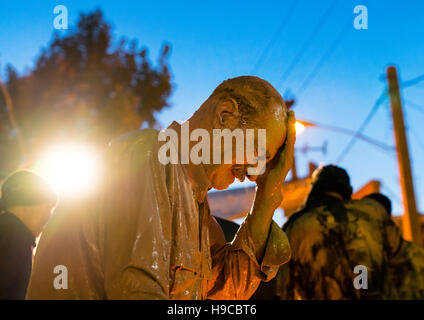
{"x":84,"y":87}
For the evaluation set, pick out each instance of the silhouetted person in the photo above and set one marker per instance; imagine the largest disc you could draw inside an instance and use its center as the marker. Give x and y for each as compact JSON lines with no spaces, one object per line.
{"x":229,"y":228}
{"x":25,"y":206}
{"x":383,"y":200}
{"x":407,"y":265}
{"x":332,"y":235}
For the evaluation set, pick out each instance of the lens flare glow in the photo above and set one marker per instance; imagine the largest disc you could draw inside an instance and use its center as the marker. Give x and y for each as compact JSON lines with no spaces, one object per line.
{"x":300,"y":127}
{"x":72,"y":169}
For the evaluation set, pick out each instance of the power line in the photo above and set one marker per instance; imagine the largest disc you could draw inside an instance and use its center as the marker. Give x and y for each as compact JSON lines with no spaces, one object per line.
{"x":376,"y":143}
{"x":307,"y":43}
{"x":417,"y":137}
{"x":414,"y":105}
{"x":413,"y":81}
{"x":393,"y":194}
{"x":324,"y":58}
{"x":275,"y":37}
{"x":411,"y":130}
{"x":371,"y":114}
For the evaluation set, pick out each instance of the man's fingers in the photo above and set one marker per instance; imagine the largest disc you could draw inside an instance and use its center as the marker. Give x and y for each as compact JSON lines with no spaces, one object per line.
{"x":288,"y":147}
{"x":291,"y":130}
{"x":291,"y":136}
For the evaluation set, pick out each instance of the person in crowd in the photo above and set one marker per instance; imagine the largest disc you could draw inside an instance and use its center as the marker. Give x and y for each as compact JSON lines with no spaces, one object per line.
{"x":383,"y":200}
{"x":407,"y":265}
{"x":229,"y":228}
{"x":26,"y":203}
{"x":333,"y":238}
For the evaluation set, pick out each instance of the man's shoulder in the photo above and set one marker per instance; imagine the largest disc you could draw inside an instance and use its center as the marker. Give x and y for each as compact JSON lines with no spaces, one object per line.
{"x":13,"y":229}
{"x":5,"y":223}
{"x":141,"y":141}
{"x":367,"y":208}
{"x":144,"y":136}
{"x":307,"y":220}
{"x":8,"y":223}
{"x":307,"y":230}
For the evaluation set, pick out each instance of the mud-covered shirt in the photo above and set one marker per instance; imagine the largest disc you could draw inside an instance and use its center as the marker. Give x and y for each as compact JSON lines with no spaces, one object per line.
{"x":146,"y":235}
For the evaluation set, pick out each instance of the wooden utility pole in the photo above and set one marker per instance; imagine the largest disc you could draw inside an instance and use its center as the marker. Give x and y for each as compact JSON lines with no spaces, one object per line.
{"x":410,"y":222}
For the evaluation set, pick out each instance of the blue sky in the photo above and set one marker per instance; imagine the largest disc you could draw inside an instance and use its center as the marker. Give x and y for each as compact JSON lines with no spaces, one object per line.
{"x":216,"y":40}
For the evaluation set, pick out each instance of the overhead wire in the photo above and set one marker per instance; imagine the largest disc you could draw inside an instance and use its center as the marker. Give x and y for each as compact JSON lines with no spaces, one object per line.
{"x":274,"y":38}
{"x":364,"y":124}
{"x":413,"y":81}
{"x":414,"y":105}
{"x":391,"y":193}
{"x":307,"y":43}
{"x":305,"y":84}
{"x":382,"y":146}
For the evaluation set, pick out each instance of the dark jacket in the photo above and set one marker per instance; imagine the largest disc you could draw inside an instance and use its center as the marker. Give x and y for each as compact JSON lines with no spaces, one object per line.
{"x":16,"y":245}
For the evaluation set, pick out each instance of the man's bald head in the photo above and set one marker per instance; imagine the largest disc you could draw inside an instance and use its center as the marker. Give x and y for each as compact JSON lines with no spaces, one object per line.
{"x":253,"y":95}
{"x":253,"y":91}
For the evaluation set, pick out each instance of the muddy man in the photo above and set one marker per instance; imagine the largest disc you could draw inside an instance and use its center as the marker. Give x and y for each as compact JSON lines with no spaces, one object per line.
{"x":148,"y":233}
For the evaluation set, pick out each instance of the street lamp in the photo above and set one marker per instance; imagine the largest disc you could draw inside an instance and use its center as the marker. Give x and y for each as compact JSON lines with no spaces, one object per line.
{"x":300,"y":127}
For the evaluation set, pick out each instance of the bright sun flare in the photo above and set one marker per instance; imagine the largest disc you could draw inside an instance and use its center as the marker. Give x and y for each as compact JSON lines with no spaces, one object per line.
{"x":300,"y":127}
{"x":71,"y":168}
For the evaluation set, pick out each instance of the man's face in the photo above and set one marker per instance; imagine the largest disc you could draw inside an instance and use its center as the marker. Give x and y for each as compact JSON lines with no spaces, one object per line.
{"x":274,"y":121}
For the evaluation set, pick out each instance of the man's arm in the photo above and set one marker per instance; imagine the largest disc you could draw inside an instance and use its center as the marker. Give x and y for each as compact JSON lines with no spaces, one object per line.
{"x":260,"y":246}
{"x":268,"y":194}
{"x":236,"y":273}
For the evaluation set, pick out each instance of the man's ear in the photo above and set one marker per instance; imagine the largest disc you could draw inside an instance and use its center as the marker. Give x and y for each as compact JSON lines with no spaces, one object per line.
{"x":228,"y":113}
